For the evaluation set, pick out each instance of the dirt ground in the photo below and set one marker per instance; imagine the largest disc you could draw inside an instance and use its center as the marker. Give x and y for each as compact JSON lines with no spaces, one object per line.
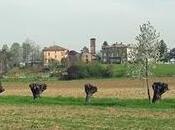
{"x":121,"y":88}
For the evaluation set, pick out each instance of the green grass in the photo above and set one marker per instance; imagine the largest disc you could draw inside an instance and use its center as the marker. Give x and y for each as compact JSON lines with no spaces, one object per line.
{"x":164,"y":70}
{"x":119,"y":71}
{"x":95,"y":102}
{"x":68,"y":113}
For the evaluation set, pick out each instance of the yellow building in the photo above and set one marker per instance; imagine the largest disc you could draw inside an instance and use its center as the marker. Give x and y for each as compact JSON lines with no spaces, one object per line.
{"x":53,"y":53}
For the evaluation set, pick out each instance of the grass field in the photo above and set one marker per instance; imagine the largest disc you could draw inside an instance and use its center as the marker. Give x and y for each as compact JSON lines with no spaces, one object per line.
{"x":119,"y":104}
{"x":118,"y":71}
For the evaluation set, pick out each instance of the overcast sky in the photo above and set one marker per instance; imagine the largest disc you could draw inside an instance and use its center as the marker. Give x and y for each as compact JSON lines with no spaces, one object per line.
{"x":71,"y":23}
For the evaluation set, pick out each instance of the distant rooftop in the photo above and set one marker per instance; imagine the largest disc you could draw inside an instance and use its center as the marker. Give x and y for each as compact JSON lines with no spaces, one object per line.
{"x":105,"y":45}
{"x":72,"y":52}
{"x":54,"y":48}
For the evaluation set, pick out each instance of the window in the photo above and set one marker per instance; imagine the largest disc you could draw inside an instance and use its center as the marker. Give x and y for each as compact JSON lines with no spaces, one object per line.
{"x":55,"y":56}
{"x":48,"y":53}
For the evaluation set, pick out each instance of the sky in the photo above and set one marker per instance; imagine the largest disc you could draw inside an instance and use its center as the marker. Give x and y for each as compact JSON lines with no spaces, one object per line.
{"x":71,"y":23}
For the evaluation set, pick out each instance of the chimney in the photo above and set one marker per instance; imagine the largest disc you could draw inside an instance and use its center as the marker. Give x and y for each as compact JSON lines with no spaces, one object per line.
{"x":93,"y":46}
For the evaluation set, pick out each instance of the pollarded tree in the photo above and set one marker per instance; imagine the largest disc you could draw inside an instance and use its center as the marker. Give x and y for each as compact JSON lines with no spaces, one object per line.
{"x":145,"y":53}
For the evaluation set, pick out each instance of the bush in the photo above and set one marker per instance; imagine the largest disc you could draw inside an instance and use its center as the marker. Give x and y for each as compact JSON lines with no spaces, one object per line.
{"x":94,"y":70}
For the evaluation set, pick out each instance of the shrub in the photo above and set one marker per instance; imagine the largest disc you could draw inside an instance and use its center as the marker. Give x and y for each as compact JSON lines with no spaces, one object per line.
{"x":93,"y":70}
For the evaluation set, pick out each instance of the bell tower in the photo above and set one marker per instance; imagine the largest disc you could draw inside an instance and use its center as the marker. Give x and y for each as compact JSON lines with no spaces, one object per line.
{"x":93,"y":46}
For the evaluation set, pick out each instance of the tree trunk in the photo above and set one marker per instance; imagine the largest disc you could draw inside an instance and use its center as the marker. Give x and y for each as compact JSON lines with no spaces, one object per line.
{"x":147,"y":82}
{"x":148,"y":91}
{"x":87,"y":100}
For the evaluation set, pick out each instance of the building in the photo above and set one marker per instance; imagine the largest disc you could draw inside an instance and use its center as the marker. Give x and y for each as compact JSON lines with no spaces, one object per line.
{"x":89,"y":56}
{"x":86,"y":56}
{"x":93,"y":46}
{"x":115,"y":53}
{"x":53,"y":53}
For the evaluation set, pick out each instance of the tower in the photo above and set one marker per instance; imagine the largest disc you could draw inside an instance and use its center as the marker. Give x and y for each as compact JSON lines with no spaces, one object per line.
{"x":93,"y":46}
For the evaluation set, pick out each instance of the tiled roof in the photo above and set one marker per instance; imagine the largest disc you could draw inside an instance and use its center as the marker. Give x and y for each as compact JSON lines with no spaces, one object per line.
{"x":54,"y":48}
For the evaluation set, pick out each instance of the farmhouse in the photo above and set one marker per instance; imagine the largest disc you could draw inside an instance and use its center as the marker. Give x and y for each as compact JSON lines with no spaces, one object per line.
{"x":54,"y":53}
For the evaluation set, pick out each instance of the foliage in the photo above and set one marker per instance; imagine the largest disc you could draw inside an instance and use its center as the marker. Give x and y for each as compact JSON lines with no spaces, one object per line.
{"x":172,"y":53}
{"x":31,"y":52}
{"x":145,"y":53}
{"x":163,"y":51}
{"x":55,"y":68}
{"x":28,"y":52}
{"x":91,"y":70}
{"x":26,"y":46}
{"x":16,"y":54}
{"x":5,"y":48}
{"x":4,"y":59}
{"x":146,"y":49}
{"x":113,"y":71}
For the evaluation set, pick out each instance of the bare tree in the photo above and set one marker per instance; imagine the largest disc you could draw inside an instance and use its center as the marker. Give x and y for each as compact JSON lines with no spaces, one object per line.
{"x":26,"y":46}
{"x":145,"y":54}
{"x":16,"y":54}
{"x":31,"y":52}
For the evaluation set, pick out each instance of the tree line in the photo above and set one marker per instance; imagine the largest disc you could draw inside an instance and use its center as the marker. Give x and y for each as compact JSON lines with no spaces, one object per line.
{"x":18,"y":55}
{"x":165,"y":54}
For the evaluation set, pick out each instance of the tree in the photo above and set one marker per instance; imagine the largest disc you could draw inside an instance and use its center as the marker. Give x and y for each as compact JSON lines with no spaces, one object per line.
{"x":36,"y":54}
{"x":105,"y":43}
{"x":4,"y":58}
{"x":172,"y":54}
{"x":16,"y":54}
{"x":31,"y":52}
{"x":26,"y":46}
{"x":145,"y":53}
{"x":163,"y":51}
{"x":5,"y":47}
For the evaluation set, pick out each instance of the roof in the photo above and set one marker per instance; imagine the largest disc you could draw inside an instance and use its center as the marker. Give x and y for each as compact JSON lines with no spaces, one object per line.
{"x":118,"y":45}
{"x":54,"y":48}
{"x":72,"y":52}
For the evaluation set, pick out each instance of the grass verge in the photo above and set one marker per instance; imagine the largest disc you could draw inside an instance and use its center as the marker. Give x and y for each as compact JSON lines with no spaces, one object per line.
{"x":95,"y":102}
